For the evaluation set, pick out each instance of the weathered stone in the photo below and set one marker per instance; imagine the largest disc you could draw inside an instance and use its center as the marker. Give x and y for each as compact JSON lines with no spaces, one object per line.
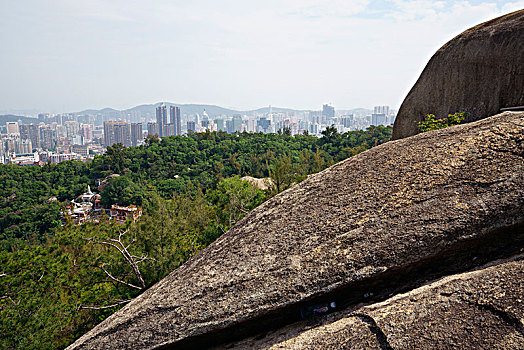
{"x":482,"y":309}
{"x":480,"y":71}
{"x":378,"y":223}
{"x":261,"y":184}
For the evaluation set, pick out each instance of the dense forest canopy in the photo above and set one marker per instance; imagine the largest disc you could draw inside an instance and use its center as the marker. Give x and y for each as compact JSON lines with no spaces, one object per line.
{"x":58,"y":281}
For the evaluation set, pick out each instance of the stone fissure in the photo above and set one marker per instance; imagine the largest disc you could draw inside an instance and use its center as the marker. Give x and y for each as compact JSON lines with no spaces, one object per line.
{"x":381,"y":287}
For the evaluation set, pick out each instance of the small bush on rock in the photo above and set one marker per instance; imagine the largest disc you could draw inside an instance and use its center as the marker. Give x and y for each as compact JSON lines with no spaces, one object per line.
{"x":431,"y":123}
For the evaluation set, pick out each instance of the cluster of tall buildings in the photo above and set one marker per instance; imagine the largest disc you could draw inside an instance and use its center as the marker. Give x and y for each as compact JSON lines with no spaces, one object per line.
{"x":118,"y":131}
{"x":131,"y":134}
{"x":51,"y":137}
{"x":298,"y":122}
{"x":79,"y":136}
{"x":164,"y":127}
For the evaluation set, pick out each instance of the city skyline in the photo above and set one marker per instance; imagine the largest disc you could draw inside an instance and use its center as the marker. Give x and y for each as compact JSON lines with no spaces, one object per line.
{"x":59,"y":137}
{"x":66,"y":57}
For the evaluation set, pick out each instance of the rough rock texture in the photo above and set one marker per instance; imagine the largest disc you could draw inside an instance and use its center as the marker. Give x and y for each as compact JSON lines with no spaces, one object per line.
{"x":483,"y":309}
{"x":480,"y":71}
{"x":379,"y":223}
{"x":262,"y":184}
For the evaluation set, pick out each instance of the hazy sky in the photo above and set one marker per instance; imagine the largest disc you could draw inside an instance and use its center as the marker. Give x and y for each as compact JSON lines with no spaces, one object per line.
{"x":60,"y":56}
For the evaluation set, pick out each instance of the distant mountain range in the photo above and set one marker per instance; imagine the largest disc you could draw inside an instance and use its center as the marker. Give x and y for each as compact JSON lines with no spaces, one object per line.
{"x":14,"y":118}
{"x":211,"y":110}
{"x":148,"y":111}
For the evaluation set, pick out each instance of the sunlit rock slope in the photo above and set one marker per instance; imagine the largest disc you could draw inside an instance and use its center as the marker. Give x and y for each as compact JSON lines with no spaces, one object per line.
{"x":380,"y":223}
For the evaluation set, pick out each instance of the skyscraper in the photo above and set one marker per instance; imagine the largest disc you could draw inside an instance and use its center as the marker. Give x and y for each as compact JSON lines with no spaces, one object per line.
{"x":381,"y":110}
{"x":378,"y":119}
{"x":136,"y":134}
{"x":72,"y":127}
{"x":191,"y":127}
{"x":12,"y":128}
{"x":263,"y":124}
{"x":237,"y":122}
{"x":117,"y":132}
{"x":152,"y":129}
{"x":30,"y":132}
{"x":328,"y":112}
{"x":176,"y":119}
{"x":47,"y":137}
{"x":161,"y":118}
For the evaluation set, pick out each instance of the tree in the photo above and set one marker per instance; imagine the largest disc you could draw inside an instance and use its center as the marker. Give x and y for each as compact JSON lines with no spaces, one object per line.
{"x":234,"y":198}
{"x":281,"y":173}
{"x":329,"y":135}
{"x":116,"y":159}
{"x":130,"y":259}
{"x":122,"y":191}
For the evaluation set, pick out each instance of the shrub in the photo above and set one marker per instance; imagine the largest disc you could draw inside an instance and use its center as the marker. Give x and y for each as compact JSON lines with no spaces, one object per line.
{"x":431,"y":123}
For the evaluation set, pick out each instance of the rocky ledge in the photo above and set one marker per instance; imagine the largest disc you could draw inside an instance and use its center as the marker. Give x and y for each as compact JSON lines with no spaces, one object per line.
{"x":380,"y":223}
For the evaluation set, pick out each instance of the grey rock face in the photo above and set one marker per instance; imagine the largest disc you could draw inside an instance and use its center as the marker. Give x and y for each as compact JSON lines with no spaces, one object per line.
{"x":376,"y":224}
{"x":480,"y":71}
{"x":482,"y":309}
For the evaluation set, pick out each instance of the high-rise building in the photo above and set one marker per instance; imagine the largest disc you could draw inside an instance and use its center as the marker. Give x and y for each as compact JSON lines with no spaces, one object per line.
{"x":12,"y":128}
{"x":30,"y":132}
{"x":191,"y":127}
{"x":220,"y":124}
{"x":61,"y":131}
{"x":109,"y":134}
{"x":378,"y":119}
{"x":347,"y":120}
{"x":47,"y":138}
{"x":176,"y":119}
{"x":263,"y":124}
{"x":237,"y":123}
{"x":77,"y":140}
{"x":168,"y":130}
{"x":381,"y":110}
{"x":123,"y":133}
{"x":136,"y":134}
{"x":161,"y":118}
{"x":72,"y":128}
{"x":23,"y":146}
{"x":315,"y":116}
{"x":152,"y":129}
{"x":117,"y":132}
{"x":328,"y":112}
{"x":86,"y":131}
{"x":229,"y":126}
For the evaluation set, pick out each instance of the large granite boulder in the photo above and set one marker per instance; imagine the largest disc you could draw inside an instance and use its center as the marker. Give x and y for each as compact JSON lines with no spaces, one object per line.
{"x":480,"y":71}
{"x":377,"y":224}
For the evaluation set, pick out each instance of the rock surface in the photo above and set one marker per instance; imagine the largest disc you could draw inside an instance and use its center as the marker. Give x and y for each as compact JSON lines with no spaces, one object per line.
{"x":480,"y":71}
{"x":261,"y":184}
{"x":482,"y":309}
{"x":379,"y":223}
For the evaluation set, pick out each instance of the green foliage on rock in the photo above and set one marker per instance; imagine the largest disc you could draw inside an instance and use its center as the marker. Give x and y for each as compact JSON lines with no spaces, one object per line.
{"x":432,"y":123}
